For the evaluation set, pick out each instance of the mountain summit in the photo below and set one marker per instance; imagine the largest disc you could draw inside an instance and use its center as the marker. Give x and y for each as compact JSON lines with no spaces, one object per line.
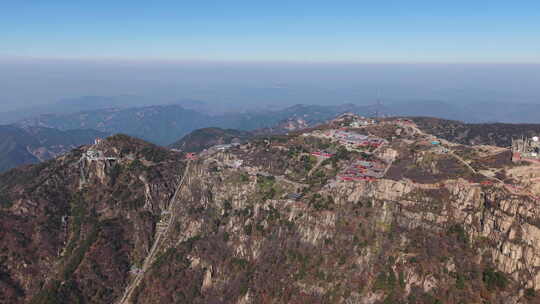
{"x":352,"y":211}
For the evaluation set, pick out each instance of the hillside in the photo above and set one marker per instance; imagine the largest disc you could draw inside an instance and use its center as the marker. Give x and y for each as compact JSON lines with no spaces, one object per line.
{"x":19,"y":146}
{"x":371,"y":214}
{"x":495,"y":134}
{"x":13,"y":148}
{"x":201,"y":139}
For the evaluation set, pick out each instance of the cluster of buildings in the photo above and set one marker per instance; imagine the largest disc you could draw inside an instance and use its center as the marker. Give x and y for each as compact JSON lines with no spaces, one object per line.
{"x":440,"y":150}
{"x":364,"y":170}
{"x":354,"y":121}
{"x":354,"y":140}
{"x":362,"y":122}
{"x":526,"y":148}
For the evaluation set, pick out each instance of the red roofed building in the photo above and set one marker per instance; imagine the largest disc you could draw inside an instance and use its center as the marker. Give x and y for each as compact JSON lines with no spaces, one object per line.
{"x":191,"y":156}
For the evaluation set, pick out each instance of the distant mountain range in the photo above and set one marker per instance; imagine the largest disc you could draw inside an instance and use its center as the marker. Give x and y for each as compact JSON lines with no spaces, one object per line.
{"x":473,"y":112}
{"x":165,"y":124}
{"x":464,"y":110}
{"x":29,"y":140}
{"x":45,"y":136}
{"x":159,"y":124}
{"x":31,"y":145}
{"x":92,"y":103}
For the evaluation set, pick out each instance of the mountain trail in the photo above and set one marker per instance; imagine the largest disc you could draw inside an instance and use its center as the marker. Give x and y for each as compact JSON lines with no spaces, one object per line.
{"x":160,"y":234}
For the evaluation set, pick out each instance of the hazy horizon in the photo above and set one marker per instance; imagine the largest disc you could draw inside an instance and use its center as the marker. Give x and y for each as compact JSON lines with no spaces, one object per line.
{"x":41,"y":82}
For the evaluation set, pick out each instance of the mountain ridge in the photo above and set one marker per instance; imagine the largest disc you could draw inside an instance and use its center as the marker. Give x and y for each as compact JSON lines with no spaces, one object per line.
{"x":125,"y":221}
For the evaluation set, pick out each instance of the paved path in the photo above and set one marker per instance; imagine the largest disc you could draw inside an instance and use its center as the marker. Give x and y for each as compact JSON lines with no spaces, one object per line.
{"x":160,"y":234}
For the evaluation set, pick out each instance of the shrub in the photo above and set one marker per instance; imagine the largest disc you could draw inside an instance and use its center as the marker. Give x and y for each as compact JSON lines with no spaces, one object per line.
{"x":78,"y":214}
{"x":459,"y":232}
{"x":460,"y":281}
{"x":166,"y":256}
{"x":494,"y":279}
{"x":308,"y":161}
{"x":247,"y":229}
{"x":320,"y":203}
{"x":342,"y":153}
{"x":227,"y":205}
{"x":134,"y":204}
{"x":240,"y":263}
{"x":154,"y":154}
{"x":48,"y":295}
{"x":5,"y":201}
{"x":266,"y":186}
{"x":244,"y":178}
{"x":530,"y":293}
{"x":136,"y":165}
{"x":78,"y":255}
{"x":385,"y":281}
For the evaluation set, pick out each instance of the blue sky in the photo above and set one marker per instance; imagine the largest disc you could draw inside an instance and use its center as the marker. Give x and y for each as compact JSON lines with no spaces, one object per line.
{"x":298,"y":31}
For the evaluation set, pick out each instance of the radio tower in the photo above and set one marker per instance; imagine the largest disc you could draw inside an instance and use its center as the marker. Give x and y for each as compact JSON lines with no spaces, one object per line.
{"x":378,"y":105}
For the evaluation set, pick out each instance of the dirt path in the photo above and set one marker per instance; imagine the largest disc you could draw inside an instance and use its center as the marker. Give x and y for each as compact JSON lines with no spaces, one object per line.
{"x":463,"y":161}
{"x":160,"y":234}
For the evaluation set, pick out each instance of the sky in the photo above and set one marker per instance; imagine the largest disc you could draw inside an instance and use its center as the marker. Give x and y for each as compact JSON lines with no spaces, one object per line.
{"x":273,"y":53}
{"x":459,"y":31}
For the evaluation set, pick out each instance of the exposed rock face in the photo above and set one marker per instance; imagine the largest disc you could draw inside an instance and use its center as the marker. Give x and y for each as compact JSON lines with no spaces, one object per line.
{"x":461,"y":230}
{"x":139,"y":224}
